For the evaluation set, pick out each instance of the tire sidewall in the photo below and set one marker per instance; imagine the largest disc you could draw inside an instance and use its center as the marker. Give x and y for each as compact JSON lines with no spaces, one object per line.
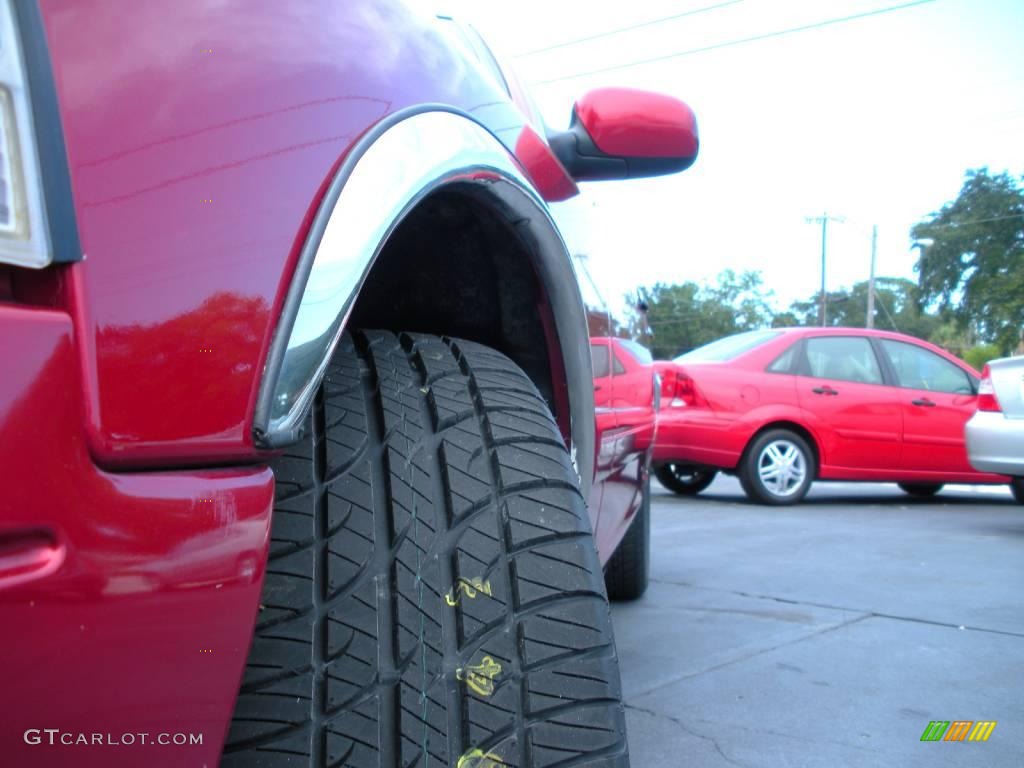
{"x":672,"y":483}
{"x":750,"y":478}
{"x":628,"y":571}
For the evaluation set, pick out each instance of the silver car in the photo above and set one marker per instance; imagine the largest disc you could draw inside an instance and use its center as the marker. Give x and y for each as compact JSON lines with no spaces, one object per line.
{"x":995,"y":434}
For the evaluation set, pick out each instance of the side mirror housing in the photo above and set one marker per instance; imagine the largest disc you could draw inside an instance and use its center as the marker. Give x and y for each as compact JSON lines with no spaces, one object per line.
{"x":624,"y":133}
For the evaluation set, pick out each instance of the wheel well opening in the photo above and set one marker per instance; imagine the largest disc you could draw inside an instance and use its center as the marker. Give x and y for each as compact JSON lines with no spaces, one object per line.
{"x":455,"y":266}
{"x":792,"y":427}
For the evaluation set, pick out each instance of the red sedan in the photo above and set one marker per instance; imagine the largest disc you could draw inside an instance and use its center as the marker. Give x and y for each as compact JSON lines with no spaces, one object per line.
{"x":781,"y":408}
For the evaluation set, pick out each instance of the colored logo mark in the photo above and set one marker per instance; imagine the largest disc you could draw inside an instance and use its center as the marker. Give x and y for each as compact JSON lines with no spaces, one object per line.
{"x":477,"y":758}
{"x":480,"y":677}
{"x":468,"y":587}
{"x":958,"y":730}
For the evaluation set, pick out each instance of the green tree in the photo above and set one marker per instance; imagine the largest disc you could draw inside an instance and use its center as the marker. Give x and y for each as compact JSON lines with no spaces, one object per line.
{"x":975,"y":265}
{"x":978,"y":356}
{"x":806,"y":312}
{"x":746,"y":295}
{"x":897,"y":308}
{"x":785,"y":320}
{"x":951,"y":336}
{"x":683,"y":316}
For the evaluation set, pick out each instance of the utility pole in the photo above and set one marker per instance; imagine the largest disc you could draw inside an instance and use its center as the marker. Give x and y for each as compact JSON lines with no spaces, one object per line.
{"x":824,"y":219}
{"x":871,"y":277}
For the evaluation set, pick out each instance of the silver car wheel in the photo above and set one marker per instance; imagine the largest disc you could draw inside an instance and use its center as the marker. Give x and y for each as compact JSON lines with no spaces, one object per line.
{"x":782,"y":468}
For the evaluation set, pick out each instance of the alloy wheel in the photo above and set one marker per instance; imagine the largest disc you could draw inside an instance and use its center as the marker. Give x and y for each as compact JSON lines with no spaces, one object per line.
{"x":782,"y":468}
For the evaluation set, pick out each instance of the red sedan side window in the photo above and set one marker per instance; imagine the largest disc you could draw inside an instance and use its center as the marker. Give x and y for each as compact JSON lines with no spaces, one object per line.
{"x":846,"y":358}
{"x":787,"y":361}
{"x":918,"y":368}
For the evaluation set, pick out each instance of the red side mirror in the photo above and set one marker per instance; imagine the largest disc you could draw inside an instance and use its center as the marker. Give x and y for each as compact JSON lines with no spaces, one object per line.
{"x":623,"y":133}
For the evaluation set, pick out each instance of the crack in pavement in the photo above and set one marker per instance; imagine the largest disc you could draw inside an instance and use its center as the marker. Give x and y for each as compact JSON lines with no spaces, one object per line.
{"x":765,"y":731}
{"x":687,"y":729}
{"x":752,"y":654}
{"x":869,"y":613}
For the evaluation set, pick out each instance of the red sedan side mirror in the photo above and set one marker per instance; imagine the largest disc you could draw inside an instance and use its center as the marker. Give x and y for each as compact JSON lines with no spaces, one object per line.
{"x":623,"y":133}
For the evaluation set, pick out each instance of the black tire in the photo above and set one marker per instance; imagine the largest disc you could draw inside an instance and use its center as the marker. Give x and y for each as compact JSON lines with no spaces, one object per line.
{"x":628,"y":570}
{"x":432,"y":473}
{"x":750,"y":477}
{"x":683,"y":479}
{"x":1017,"y":489}
{"x":921,"y":490}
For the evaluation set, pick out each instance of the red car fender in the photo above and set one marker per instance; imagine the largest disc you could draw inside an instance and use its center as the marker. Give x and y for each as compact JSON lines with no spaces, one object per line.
{"x":765,"y":417}
{"x":174,"y":322}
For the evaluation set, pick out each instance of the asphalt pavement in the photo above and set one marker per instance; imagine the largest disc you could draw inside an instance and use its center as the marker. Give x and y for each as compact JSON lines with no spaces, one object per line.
{"x":827,"y":634}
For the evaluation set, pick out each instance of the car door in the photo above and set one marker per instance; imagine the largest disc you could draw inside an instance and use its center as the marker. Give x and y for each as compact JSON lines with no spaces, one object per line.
{"x":857,"y":416}
{"x":937,"y":397}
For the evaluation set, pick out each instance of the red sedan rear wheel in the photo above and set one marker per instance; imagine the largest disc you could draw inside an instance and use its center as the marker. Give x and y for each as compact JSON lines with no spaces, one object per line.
{"x":777,"y":468}
{"x":683,"y":479}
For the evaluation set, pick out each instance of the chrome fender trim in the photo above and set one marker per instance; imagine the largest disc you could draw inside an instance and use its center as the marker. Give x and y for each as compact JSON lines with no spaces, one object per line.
{"x":391,"y":169}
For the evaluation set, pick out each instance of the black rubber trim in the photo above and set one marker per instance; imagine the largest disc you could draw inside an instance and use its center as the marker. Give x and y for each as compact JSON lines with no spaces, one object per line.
{"x":53,"y":158}
{"x":889,"y":377}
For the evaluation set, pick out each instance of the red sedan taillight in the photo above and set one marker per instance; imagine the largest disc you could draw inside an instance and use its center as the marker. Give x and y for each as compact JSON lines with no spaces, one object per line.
{"x":678,"y":390}
{"x":987,"y":400}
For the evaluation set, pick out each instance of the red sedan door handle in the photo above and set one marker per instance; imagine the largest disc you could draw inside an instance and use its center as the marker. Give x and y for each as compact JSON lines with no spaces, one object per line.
{"x":924,"y":402}
{"x":28,"y":555}
{"x":825,"y":391}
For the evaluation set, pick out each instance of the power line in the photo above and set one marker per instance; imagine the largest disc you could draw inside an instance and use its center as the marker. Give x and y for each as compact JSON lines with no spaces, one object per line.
{"x":739,"y":41}
{"x":621,"y":30}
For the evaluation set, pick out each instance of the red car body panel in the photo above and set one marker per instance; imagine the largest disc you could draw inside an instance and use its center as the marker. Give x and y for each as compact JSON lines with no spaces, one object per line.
{"x":866,"y":432}
{"x":933,"y":439}
{"x":144,"y":624}
{"x":192,"y":207}
{"x":861,"y":429}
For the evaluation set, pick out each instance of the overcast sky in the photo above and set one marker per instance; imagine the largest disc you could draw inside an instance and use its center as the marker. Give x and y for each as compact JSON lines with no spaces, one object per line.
{"x":874,"y":119}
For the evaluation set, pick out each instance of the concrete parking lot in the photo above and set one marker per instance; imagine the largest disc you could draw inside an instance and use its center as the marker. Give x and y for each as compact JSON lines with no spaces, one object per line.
{"x":827,"y":634}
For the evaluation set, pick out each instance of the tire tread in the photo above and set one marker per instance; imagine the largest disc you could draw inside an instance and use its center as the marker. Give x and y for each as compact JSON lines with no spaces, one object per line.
{"x":427,"y":460}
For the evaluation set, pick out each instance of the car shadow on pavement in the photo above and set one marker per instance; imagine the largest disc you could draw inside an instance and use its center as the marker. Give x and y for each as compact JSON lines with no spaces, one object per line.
{"x":824,"y":494}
